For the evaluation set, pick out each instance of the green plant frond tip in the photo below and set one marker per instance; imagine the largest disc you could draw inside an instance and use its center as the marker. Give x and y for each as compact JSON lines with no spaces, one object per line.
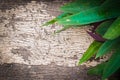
{"x":80,"y":5}
{"x":112,"y":65}
{"x":56,"y":19}
{"x":63,"y":29}
{"x":97,"y":70}
{"x":50,"y":22}
{"x":114,"y":30}
{"x":93,"y":48}
{"x":103,"y":27}
{"x":96,"y":14}
{"x":107,"y":46}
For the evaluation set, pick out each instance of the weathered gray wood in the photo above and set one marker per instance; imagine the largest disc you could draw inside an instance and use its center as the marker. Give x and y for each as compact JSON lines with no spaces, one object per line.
{"x":33,"y":52}
{"x":22,"y":40}
{"x":42,"y":72}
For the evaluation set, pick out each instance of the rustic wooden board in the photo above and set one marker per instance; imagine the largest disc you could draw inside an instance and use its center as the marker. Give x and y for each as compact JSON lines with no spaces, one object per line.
{"x":30,"y":52}
{"x":42,"y":72}
{"x":24,"y":41}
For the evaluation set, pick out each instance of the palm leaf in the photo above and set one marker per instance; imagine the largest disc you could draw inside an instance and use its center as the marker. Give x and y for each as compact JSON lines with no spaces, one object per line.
{"x":113,"y":65}
{"x":97,"y":70}
{"x":114,"y":30}
{"x":90,"y":51}
{"x":103,"y":27}
{"x":80,"y":5}
{"x":107,"y":47}
{"x":63,"y":29}
{"x":56,"y":19}
{"x":96,"y":14}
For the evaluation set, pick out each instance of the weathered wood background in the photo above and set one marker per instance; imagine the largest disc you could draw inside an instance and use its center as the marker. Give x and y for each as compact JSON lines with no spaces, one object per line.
{"x":31,"y":52}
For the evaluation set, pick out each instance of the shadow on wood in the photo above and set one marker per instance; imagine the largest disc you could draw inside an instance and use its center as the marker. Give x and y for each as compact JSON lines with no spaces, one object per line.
{"x":16,"y":71}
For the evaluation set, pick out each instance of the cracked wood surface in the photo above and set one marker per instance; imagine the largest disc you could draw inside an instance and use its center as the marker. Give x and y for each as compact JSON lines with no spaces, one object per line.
{"x":31,"y":52}
{"x":22,"y":40}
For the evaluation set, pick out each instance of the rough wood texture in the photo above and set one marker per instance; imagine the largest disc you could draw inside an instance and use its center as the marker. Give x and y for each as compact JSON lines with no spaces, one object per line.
{"x":42,"y":72}
{"x":24,"y":41}
{"x":33,"y":48}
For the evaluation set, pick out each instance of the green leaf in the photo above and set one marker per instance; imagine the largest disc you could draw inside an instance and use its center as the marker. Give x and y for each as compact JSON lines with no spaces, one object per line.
{"x":114,"y":30}
{"x":74,"y":7}
{"x":80,"y":5}
{"x":112,"y":65}
{"x":63,"y":29}
{"x":50,"y":22}
{"x":97,"y":70}
{"x":107,"y":47}
{"x":56,"y":19}
{"x":93,"y":48}
{"x":96,"y":14}
{"x":103,"y":27}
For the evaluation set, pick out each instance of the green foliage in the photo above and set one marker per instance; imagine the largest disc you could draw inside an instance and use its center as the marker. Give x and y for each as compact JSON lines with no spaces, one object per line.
{"x":90,"y":51}
{"x":84,"y":12}
{"x":103,"y":27}
{"x":80,"y":5}
{"x":64,"y":28}
{"x":114,"y":30}
{"x":112,"y":65}
{"x":56,"y":19}
{"x":95,"y":14}
{"x":107,"y":47}
{"x":97,"y":70}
